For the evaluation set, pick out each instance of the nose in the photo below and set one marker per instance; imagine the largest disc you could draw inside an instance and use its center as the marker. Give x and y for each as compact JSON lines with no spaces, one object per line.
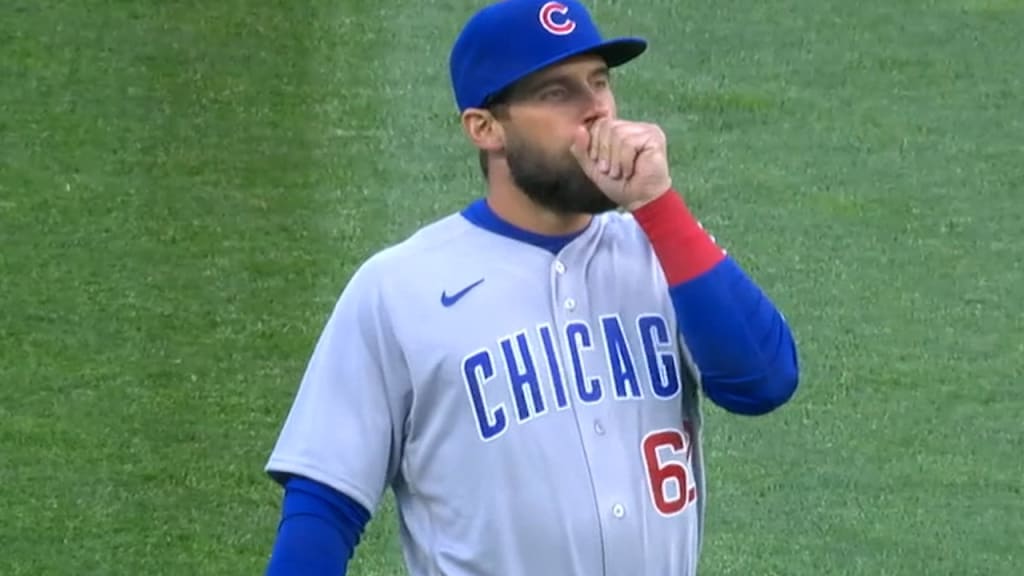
{"x":597,"y":107}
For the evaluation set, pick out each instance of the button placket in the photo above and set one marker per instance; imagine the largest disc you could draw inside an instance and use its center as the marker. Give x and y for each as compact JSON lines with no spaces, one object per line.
{"x":559,"y":267}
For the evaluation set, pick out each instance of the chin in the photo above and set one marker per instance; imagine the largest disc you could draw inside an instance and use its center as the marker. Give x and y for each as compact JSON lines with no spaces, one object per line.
{"x":591,"y":205}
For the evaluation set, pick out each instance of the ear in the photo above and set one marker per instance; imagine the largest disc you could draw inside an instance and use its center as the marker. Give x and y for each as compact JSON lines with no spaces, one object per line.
{"x":483,"y":130}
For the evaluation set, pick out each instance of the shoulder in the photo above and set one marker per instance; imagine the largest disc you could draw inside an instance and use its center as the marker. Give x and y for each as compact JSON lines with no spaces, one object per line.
{"x":424,"y":252}
{"x":434,"y":241}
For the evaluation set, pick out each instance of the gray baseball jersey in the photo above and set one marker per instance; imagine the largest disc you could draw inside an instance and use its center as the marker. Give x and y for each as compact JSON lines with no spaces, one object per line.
{"x":534,"y":414}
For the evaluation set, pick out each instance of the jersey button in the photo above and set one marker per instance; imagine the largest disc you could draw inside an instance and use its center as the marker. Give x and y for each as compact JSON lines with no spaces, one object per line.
{"x":598,"y":428}
{"x":618,"y":510}
{"x":570,"y":304}
{"x":559,"y":267}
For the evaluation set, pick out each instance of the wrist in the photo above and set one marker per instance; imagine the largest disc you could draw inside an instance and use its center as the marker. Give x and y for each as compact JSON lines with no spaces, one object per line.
{"x":683,"y":248}
{"x":646,"y":199}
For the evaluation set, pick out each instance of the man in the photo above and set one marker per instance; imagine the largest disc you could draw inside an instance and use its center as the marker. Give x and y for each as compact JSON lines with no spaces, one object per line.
{"x":525,"y":374}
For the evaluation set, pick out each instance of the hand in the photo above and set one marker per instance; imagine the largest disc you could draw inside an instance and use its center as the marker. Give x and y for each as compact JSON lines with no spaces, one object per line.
{"x":627,"y":160}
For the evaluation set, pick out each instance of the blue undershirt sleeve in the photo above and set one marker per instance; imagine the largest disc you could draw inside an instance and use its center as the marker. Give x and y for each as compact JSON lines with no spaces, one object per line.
{"x":740,"y":342}
{"x":319,"y":530}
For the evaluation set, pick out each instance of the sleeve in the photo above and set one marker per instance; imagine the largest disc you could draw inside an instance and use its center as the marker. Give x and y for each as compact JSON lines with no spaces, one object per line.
{"x":318,"y":533}
{"x":739,"y":341}
{"x":344,"y":428}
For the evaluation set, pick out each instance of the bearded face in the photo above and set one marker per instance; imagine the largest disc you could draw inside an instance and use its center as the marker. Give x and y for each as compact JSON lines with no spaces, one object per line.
{"x":554,"y":181}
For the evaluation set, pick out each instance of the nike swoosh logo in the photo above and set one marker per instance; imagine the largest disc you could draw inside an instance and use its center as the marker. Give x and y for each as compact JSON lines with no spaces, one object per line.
{"x":448,"y":301}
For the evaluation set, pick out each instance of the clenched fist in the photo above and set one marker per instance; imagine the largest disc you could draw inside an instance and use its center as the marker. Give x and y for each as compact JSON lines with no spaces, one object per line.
{"x":627,"y":160}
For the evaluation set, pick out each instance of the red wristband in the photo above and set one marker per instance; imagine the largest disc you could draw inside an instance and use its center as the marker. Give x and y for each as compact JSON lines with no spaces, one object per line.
{"x":683,"y":247}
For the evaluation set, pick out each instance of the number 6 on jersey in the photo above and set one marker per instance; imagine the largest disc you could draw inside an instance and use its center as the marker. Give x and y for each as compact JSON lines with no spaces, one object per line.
{"x":666,"y":455}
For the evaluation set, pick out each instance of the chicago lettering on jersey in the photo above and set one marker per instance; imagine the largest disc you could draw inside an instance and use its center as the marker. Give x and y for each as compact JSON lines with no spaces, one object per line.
{"x":546,"y":370}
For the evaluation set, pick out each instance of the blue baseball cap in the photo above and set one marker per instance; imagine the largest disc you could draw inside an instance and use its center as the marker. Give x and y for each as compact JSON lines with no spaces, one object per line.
{"x":511,"y":39}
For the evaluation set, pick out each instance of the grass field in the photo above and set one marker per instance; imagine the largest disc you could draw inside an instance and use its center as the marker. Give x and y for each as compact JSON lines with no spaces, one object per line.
{"x":186,"y":186}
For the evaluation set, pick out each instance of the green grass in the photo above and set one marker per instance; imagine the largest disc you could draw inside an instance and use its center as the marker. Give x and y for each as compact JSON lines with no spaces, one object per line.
{"x":185,"y":187}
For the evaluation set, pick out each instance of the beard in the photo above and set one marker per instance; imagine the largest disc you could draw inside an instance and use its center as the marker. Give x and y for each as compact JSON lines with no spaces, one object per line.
{"x":556,"y":183}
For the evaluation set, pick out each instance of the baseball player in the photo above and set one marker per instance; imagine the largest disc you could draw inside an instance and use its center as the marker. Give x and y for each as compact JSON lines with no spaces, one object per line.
{"x":525,"y":374}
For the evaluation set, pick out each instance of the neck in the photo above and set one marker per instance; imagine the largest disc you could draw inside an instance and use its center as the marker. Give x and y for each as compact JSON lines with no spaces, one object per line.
{"x":515,"y":207}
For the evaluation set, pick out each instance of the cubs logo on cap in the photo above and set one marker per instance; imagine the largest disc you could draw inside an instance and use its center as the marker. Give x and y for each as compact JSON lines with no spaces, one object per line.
{"x":511,"y":39}
{"x":550,"y":20}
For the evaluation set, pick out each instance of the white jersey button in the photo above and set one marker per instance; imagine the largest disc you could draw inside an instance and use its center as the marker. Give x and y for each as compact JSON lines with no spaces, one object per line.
{"x":598,"y":428}
{"x":570,"y":304}
{"x":618,"y":510}
{"x":559,"y":267}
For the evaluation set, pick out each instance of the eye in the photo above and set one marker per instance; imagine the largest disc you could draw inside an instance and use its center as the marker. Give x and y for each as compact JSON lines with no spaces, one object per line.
{"x":554,"y":93}
{"x":602,"y":82}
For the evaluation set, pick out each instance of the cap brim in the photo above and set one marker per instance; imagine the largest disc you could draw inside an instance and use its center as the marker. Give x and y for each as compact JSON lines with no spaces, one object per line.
{"x":618,"y":51}
{"x":615,"y":52}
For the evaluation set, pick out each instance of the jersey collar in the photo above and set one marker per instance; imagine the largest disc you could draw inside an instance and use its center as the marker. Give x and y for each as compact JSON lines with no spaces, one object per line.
{"x":480,"y":213}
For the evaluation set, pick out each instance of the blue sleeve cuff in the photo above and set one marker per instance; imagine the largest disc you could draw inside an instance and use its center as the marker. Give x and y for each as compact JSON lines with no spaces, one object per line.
{"x":739,"y":341}
{"x":319,"y":530}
